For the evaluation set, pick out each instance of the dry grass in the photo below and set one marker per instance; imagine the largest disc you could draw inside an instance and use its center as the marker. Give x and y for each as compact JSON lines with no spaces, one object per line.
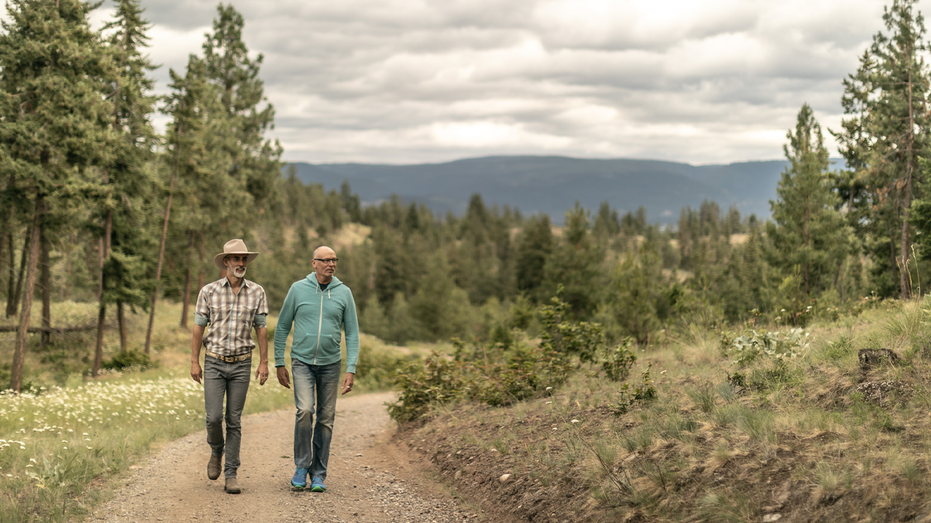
{"x":800,"y":440}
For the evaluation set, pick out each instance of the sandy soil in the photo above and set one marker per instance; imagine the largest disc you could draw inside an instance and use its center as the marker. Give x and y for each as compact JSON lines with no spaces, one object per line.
{"x":370,"y":479}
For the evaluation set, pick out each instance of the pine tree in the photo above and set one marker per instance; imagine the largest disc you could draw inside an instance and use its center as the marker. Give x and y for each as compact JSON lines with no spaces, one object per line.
{"x":254,"y":162}
{"x":536,"y":244}
{"x":50,"y":59}
{"x":128,"y":183}
{"x":809,"y":235}
{"x":575,"y":263}
{"x":195,"y":173}
{"x":886,"y":134}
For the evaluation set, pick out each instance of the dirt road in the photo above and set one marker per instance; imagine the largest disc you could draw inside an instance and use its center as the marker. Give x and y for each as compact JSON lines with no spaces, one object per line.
{"x":370,"y":479}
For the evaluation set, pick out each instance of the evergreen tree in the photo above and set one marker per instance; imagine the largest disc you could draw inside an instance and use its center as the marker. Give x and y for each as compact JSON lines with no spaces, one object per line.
{"x":886,"y":134}
{"x":193,"y":174}
{"x":128,"y":182}
{"x":639,"y":295}
{"x":607,"y":224}
{"x":254,"y":162}
{"x":575,"y":263}
{"x":535,"y":246}
{"x":809,"y":235}
{"x":50,"y":59}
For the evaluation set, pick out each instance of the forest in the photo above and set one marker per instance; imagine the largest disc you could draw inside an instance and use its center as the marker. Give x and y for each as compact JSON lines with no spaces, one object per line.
{"x":98,"y":207}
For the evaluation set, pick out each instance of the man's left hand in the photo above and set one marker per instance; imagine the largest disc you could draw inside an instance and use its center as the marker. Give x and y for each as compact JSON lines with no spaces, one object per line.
{"x":348,"y":379}
{"x":261,"y":373}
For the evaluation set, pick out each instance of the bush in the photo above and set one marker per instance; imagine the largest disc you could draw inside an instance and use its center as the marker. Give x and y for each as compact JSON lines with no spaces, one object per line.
{"x":775,"y":344}
{"x":510,"y":371}
{"x":617,"y":362}
{"x":582,"y":339}
{"x":630,"y":396}
{"x":378,"y":368}
{"x":523,"y":374}
{"x":437,"y":380}
{"x":130,"y":359}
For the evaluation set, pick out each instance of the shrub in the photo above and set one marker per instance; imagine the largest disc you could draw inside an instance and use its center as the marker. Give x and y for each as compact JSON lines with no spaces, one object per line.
{"x":526,"y":373}
{"x":581,"y":339}
{"x":776,"y":344}
{"x":630,"y":396}
{"x":130,"y":359}
{"x":617,"y":362}
{"x":378,"y":368}
{"x":437,"y":380}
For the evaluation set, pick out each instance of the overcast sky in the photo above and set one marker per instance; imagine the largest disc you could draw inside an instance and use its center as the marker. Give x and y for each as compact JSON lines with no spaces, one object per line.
{"x":409,"y":81}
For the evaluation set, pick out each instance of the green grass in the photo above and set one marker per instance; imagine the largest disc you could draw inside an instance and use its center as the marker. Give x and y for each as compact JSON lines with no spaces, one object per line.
{"x":68,"y":436}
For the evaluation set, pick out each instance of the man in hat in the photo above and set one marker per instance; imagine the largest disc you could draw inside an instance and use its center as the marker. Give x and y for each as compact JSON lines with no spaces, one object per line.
{"x":227,"y":310}
{"x":320,"y":307}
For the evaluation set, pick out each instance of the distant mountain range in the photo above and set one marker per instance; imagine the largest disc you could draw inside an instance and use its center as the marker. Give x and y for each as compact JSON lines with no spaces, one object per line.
{"x":552,"y":184}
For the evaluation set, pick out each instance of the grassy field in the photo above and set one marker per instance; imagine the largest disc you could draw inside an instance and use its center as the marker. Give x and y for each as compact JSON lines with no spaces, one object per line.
{"x":808,"y":432}
{"x":64,"y":441}
{"x":816,"y":437}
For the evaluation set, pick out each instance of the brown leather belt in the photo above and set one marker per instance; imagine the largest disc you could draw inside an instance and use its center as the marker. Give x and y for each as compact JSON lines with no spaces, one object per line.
{"x":229,"y":359}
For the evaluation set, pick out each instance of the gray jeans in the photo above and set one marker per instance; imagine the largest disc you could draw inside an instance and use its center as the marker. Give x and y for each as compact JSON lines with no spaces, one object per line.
{"x":230,"y":380}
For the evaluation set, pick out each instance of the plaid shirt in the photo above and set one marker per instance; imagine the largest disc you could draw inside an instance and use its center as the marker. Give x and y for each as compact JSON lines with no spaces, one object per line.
{"x":230,"y":316}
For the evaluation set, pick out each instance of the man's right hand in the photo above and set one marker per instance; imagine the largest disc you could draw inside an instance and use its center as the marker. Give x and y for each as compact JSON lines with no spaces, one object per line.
{"x":196,"y":373}
{"x":283,"y":377}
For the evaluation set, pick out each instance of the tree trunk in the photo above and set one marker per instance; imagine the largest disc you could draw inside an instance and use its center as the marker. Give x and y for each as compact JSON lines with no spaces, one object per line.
{"x":161,"y":257}
{"x":45,"y":285}
{"x":101,"y":286}
{"x":68,"y":268}
{"x":121,"y":318}
{"x":12,"y":305}
{"x":98,"y":352}
{"x":11,"y":282}
{"x":3,"y":227}
{"x":185,"y":308}
{"x":892,"y":260}
{"x":907,"y":200}
{"x":200,"y":269}
{"x":19,"y":354}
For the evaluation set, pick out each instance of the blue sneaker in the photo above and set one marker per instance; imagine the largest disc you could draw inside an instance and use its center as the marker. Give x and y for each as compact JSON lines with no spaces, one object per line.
{"x":300,"y":478}
{"x":317,"y":485}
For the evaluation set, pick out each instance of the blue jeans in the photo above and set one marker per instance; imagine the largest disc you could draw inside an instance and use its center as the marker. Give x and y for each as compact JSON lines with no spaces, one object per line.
{"x":312,"y":441}
{"x":230,"y":380}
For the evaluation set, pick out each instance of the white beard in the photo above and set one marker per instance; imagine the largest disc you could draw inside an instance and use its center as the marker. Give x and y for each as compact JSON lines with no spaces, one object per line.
{"x":239,"y":273}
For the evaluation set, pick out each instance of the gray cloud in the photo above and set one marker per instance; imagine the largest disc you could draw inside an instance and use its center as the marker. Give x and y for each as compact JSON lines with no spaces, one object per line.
{"x":432,"y":80}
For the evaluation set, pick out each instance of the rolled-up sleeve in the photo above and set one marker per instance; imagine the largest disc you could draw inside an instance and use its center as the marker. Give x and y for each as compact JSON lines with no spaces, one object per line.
{"x":202,"y":310}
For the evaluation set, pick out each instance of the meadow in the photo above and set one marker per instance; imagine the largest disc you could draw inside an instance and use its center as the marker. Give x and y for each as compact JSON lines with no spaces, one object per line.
{"x":66,"y":440}
{"x":750,"y":422}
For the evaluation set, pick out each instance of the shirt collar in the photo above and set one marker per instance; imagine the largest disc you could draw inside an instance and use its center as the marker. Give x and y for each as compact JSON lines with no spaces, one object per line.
{"x":226,"y":282}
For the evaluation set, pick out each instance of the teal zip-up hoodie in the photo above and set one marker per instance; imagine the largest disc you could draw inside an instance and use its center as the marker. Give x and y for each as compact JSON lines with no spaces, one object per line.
{"x":318,"y":317}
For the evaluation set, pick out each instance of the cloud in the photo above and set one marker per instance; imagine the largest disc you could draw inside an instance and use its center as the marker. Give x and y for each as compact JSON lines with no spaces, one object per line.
{"x":431,"y":80}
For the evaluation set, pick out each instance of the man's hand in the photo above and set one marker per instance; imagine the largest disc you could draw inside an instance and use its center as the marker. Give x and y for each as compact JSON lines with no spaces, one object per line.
{"x":196,"y":373}
{"x":348,"y":379}
{"x":283,"y":378}
{"x":261,"y":373}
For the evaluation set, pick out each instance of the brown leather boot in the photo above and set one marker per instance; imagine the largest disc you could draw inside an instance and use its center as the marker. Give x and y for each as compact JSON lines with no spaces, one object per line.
{"x":232,"y":486}
{"x":213,"y":467}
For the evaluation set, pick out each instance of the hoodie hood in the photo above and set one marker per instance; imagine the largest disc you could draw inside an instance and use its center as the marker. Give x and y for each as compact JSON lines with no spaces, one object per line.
{"x":312,"y":279}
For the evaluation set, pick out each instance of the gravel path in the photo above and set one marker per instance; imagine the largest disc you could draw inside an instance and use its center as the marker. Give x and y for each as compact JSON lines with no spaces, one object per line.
{"x":369,"y":480}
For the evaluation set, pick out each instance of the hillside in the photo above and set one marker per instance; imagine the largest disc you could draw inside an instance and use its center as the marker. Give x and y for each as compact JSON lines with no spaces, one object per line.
{"x":552,"y":184}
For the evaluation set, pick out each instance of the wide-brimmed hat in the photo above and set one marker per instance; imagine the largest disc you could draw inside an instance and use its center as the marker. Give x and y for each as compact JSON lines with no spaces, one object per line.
{"x":236,"y":246}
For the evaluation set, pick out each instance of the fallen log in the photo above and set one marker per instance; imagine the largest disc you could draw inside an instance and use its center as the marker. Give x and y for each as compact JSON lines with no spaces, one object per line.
{"x":50,"y":330}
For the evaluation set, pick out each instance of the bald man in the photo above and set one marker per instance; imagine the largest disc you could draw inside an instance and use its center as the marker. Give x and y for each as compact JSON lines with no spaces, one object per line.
{"x":319,"y":307}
